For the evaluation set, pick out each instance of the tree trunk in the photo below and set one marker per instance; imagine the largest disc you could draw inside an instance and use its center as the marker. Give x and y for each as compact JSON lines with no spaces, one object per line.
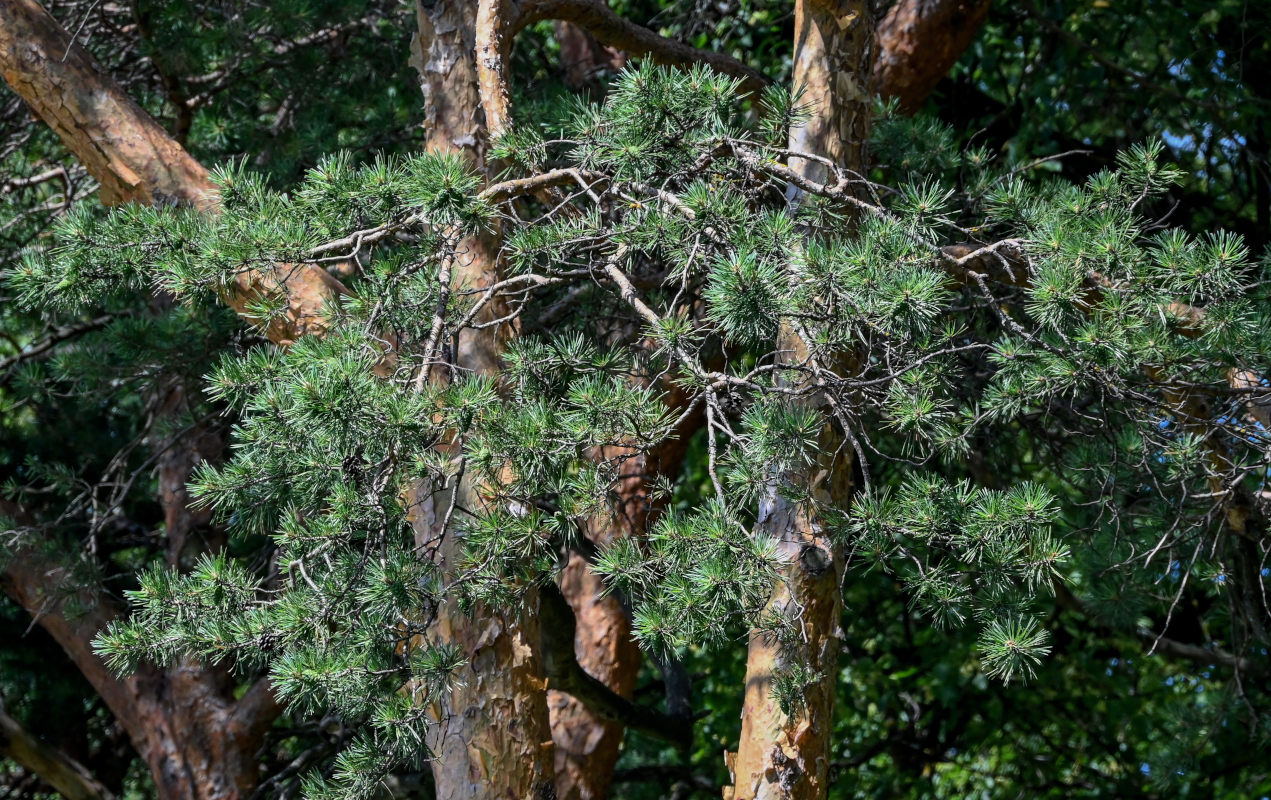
{"x":198,"y":741}
{"x":587,"y":745}
{"x":919,"y":41}
{"x":493,"y":738}
{"x":782,"y":755}
{"x":582,"y":56}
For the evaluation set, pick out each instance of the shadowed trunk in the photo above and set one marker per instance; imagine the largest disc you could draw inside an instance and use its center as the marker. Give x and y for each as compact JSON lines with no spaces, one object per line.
{"x":787,"y":756}
{"x":197,"y":739}
{"x":199,"y":742}
{"x":588,"y":745}
{"x":582,"y":56}
{"x":919,"y":41}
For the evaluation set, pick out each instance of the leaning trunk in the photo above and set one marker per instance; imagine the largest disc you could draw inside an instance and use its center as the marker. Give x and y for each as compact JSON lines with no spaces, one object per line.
{"x":786,"y":753}
{"x":199,"y":742}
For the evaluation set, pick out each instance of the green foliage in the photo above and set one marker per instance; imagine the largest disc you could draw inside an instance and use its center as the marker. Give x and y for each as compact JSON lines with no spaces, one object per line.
{"x":1091,"y":348}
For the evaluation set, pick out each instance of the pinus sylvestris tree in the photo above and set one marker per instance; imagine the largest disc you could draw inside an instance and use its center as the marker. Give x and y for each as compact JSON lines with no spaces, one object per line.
{"x":442,"y":455}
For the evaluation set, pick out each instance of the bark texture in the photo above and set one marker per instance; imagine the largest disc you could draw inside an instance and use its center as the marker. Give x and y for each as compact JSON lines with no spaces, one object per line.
{"x":587,"y":744}
{"x":199,"y":742}
{"x":493,"y":738}
{"x":787,"y":756}
{"x":587,"y":747}
{"x":919,"y":41}
{"x":130,"y":154}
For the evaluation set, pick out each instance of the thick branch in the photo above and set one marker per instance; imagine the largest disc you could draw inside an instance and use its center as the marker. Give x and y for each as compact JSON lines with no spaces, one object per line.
{"x":919,"y":41}
{"x":70,"y":778}
{"x":563,"y":673}
{"x":595,"y":17}
{"x":132,"y":156}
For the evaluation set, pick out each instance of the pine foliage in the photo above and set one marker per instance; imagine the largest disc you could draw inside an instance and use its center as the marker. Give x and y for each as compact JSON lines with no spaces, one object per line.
{"x":947,"y":302}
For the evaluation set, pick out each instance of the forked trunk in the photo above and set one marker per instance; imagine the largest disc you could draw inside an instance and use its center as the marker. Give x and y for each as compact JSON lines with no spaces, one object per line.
{"x":786,"y":756}
{"x":492,"y":739}
{"x":199,"y":742}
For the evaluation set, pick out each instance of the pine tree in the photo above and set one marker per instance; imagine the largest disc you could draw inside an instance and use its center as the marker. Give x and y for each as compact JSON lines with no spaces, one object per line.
{"x":849,"y":301}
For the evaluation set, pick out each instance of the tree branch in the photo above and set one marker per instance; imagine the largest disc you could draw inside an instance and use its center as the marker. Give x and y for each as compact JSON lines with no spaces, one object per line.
{"x":563,"y":673}
{"x":133,"y":157}
{"x":595,"y":17}
{"x":69,"y":777}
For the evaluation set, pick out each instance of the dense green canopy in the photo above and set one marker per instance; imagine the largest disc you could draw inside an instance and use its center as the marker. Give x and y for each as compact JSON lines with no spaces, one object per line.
{"x":1041,"y":320}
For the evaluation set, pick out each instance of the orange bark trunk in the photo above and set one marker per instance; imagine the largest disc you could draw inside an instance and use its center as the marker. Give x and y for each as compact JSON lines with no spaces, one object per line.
{"x":132,"y":156}
{"x":198,"y":741}
{"x":493,"y":739}
{"x":784,"y":756}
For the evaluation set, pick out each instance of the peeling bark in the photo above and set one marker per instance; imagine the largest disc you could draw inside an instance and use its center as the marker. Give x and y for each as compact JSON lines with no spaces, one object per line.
{"x":492,"y":739}
{"x":130,"y":154}
{"x":787,"y":756}
{"x":919,"y":41}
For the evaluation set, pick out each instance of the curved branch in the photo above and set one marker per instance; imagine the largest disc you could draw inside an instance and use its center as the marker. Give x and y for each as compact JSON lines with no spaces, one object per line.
{"x":69,"y":777}
{"x":563,"y":673}
{"x":595,"y":17}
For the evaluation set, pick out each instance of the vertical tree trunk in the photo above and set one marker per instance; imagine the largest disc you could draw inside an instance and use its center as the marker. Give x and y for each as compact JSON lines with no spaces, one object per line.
{"x":587,"y":746}
{"x":784,"y":755}
{"x":493,"y":738}
{"x":198,"y":740}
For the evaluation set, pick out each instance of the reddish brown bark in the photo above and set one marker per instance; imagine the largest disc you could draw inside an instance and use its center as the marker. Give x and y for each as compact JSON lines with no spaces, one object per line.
{"x":919,"y":41}
{"x":587,"y":745}
{"x":784,"y":756}
{"x":199,"y":742}
{"x":582,"y":56}
{"x":130,"y":155}
{"x":493,"y":738}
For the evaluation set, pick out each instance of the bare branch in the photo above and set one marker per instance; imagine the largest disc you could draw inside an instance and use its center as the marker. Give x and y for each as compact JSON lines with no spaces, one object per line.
{"x":595,"y":17}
